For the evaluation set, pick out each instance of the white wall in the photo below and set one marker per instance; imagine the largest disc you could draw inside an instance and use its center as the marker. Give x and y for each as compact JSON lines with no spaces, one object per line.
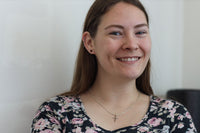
{"x":191,"y":54}
{"x":39,"y":40}
{"x":166,"y":25}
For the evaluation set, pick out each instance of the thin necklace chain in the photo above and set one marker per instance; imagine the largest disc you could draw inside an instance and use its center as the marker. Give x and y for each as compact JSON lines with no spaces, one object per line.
{"x":115,"y":116}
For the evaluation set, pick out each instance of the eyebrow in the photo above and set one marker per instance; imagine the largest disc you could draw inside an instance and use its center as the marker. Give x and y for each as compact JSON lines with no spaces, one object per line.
{"x":141,"y":25}
{"x":121,"y":27}
{"x":114,"y":25}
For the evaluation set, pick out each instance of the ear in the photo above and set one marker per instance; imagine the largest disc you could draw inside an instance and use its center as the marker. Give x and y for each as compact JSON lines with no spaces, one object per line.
{"x":88,"y":42}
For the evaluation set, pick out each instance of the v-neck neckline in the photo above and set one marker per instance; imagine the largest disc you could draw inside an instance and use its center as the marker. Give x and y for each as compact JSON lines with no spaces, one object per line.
{"x":119,"y":129}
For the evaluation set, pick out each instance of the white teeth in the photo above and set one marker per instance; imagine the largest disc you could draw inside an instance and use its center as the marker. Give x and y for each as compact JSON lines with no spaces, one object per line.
{"x":128,"y":59}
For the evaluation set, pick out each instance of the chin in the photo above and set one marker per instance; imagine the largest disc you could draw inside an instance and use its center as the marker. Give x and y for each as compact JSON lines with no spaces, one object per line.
{"x":132,"y":77}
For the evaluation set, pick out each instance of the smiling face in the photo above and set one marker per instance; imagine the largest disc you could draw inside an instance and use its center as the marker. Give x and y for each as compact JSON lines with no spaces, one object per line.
{"x":122,"y":43}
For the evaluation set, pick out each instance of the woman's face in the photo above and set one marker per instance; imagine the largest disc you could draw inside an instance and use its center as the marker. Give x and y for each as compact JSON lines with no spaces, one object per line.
{"x":122,"y":43}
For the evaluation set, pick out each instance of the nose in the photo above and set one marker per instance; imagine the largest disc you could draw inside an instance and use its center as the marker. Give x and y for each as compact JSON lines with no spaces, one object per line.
{"x":130,"y":43}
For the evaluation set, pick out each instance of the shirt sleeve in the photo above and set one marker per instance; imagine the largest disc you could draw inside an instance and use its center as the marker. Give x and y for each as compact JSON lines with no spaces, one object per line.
{"x":183,"y":121}
{"x":47,"y":119}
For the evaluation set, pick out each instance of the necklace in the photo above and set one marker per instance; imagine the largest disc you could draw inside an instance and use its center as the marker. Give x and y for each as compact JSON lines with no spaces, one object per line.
{"x":115,"y":116}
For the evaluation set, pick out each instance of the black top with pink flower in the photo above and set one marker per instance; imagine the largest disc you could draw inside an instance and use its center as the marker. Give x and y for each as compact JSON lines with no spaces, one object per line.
{"x":67,"y":115}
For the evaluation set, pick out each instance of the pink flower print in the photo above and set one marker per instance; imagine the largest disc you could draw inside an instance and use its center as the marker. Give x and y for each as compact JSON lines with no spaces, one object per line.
{"x":188,"y":115}
{"x":78,"y":130}
{"x":37,"y":114}
{"x":172,"y":112}
{"x":89,"y":130}
{"x":77,"y":121}
{"x":76,"y":105}
{"x":53,"y":120}
{"x":158,"y":100}
{"x":180,"y":117}
{"x":47,"y":108}
{"x":154,"y":121}
{"x":69,"y":99}
{"x":41,"y":124}
{"x":65,"y":120}
{"x":47,"y":131}
{"x":143,"y":129}
{"x":180,"y":125}
{"x":63,"y":109}
{"x":168,"y":105}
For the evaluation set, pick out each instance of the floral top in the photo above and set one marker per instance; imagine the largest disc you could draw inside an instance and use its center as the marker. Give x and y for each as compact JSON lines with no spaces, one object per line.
{"x":66,"y":114}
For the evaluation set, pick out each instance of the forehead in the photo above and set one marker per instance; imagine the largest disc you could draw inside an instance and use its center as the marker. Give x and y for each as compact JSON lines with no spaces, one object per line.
{"x":124,"y":13}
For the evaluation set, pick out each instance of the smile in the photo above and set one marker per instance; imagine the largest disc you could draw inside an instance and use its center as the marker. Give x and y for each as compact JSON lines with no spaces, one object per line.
{"x":129,"y":59}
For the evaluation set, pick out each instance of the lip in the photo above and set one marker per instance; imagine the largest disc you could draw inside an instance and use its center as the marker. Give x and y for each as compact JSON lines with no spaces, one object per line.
{"x":129,"y":59}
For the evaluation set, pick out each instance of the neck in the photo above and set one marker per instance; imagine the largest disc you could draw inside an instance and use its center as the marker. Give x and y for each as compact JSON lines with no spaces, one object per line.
{"x":114,"y":92}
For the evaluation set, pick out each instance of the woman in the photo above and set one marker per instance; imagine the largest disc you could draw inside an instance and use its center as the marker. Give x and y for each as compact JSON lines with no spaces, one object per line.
{"x":111,"y":89}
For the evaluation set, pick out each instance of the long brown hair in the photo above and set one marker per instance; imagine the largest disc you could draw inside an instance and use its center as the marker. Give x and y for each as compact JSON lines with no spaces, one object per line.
{"x":86,"y":64}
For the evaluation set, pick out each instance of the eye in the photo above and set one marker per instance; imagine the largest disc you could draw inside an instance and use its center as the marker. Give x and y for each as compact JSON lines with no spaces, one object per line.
{"x":115,"y":33}
{"x":141,"y":33}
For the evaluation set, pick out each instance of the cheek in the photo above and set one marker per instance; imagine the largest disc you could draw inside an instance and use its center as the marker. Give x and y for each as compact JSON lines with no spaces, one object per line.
{"x":146,"y":46}
{"x":106,"y":47}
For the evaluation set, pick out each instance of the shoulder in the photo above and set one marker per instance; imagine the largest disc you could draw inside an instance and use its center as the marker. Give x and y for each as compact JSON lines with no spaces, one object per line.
{"x":172,"y":113}
{"x":169,"y":108}
{"x":61,"y":103}
{"x":167,"y":104}
{"x":52,"y":116}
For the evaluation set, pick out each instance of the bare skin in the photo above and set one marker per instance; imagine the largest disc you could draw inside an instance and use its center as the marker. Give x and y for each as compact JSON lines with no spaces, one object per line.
{"x":100,"y":117}
{"x":122,"y":47}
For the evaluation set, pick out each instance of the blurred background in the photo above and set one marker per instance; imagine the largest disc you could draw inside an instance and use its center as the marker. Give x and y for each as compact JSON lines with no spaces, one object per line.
{"x":39,"y":40}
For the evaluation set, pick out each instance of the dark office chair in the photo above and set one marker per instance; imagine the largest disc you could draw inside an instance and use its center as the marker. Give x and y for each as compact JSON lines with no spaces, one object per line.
{"x":190,"y":98}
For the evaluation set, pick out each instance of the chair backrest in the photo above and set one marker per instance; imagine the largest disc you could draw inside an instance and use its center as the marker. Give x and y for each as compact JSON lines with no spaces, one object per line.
{"x":190,"y":98}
